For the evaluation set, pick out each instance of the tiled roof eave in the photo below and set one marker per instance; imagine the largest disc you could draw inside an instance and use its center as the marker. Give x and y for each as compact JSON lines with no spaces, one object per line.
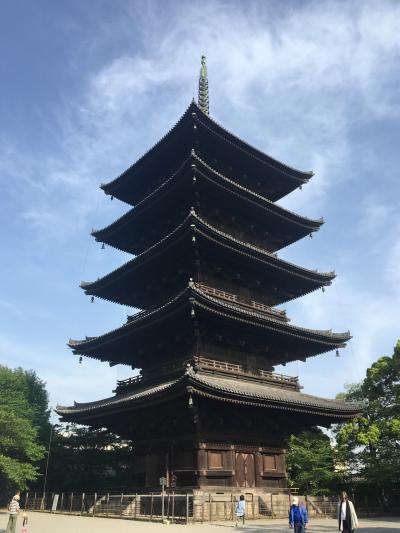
{"x":323,"y":336}
{"x":322,"y":278}
{"x":132,"y":263}
{"x":275,"y":394}
{"x":261,"y":201}
{"x":237,"y":142}
{"x":140,"y":206}
{"x":281,"y":405}
{"x":122,"y":399}
{"x":218,"y":389}
{"x":125,"y":328}
{"x":283,"y":263}
{"x":116,"y":183}
{"x":92,"y":344}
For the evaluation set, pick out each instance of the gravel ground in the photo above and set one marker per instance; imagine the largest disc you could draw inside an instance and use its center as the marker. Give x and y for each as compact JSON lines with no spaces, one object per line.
{"x":52,"y":523}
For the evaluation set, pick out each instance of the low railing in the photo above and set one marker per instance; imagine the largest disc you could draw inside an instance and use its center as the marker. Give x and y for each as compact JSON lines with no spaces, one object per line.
{"x":240,"y":370}
{"x":234,"y":298}
{"x":122,"y":383}
{"x":206,"y":363}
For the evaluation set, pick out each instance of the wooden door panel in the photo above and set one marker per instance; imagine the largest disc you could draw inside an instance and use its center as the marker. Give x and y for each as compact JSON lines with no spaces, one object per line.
{"x":240,"y":470}
{"x":250,"y":470}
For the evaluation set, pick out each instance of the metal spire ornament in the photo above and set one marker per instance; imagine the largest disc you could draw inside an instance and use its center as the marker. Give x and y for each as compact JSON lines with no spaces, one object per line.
{"x":204,"y":103}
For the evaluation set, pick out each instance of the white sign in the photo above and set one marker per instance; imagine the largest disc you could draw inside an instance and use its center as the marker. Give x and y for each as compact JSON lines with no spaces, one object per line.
{"x":55,"y":502}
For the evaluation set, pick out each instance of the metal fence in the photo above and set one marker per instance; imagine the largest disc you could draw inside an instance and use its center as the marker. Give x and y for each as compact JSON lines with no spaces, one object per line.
{"x":154,"y":506}
{"x":196,"y":506}
{"x":176,"y":507}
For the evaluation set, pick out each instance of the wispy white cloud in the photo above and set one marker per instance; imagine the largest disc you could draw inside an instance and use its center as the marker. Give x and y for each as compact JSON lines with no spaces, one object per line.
{"x":66,"y":379}
{"x":302,"y":78}
{"x":371,"y":316}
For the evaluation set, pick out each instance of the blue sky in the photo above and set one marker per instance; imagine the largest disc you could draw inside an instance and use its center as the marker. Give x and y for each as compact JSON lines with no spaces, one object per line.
{"x":87,"y":87}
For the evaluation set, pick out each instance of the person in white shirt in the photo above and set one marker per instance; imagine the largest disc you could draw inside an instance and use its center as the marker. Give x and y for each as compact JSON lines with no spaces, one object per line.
{"x":13,"y":509}
{"x":346,"y":514}
{"x":240,"y":509}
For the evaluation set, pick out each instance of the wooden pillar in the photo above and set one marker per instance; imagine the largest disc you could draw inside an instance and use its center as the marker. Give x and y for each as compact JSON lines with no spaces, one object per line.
{"x":258,"y":467}
{"x":233,"y":461}
{"x":201,"y":464}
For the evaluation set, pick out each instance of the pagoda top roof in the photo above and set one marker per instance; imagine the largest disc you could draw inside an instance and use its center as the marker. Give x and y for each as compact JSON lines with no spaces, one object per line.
{"x":200,"y":168}
{"x":195,"y":117}
{"x":220,"y":388}
{"x":194,"y":297}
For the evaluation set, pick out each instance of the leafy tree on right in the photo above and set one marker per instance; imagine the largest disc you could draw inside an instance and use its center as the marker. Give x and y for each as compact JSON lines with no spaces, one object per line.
{"x":369,"y":446}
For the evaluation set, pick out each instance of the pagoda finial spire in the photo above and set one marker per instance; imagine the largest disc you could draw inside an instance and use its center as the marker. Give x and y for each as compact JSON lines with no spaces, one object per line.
{"x":204,"y":103}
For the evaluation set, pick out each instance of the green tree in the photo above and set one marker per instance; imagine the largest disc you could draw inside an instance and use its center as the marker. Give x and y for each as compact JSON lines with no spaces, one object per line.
{"x":84,"y":459}
{"x":370,"y":445}
{"x":23,"y":415}
{"x":311,"y":462}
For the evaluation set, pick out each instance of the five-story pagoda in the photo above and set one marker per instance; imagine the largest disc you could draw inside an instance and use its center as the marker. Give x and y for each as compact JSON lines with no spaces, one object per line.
{"x":205,"y":230}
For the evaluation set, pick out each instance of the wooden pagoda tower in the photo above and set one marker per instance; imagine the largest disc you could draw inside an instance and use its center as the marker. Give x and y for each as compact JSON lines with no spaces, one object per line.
{"x":205,"y":229}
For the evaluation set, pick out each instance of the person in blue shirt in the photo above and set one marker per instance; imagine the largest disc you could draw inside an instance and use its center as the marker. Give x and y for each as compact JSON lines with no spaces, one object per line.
{"x":298,"y":518}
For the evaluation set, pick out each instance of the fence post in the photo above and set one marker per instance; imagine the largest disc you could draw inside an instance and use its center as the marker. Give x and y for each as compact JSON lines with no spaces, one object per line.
{"x":72,"y":498}
{"x":151,"y":506}
{"x":120,"y":505}
{"x":94,"y":503}
{"x":173,"y":507}
{"x":82,"y":502}
{"x":167,"y":514}
{"x":135,"y":511}
{"x":26,"y":500}
{"x":187,"y":509}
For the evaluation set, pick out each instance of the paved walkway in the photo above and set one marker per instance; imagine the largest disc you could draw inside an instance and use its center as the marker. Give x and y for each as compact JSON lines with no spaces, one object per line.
{"x":51,"y":523}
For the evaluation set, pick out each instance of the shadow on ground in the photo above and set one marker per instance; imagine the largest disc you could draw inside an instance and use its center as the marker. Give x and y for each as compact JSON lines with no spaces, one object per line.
{"x":386,"y":526}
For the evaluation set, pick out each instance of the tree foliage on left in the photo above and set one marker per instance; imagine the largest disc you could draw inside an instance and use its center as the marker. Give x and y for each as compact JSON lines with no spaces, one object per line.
{"x":24,"y":428}
{"x":88,"y":459}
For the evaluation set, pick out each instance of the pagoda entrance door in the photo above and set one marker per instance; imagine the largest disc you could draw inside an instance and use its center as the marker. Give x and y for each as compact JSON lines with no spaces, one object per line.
{"x":245,"y":473}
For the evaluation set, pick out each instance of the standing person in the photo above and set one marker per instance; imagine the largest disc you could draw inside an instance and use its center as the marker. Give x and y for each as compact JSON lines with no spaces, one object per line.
{"x":346,"y":514}
{"x":240,"y":509}
{"x":13,"y":509}
{"x":24,"y":523}
{"x":298,"y":518}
